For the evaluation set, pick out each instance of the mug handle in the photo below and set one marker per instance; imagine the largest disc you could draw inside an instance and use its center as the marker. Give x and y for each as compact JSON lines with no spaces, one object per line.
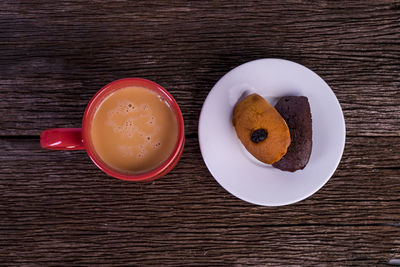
{"x":62,"y":139}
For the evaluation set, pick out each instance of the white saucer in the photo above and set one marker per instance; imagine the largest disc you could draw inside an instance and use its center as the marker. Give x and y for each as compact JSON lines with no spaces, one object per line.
{"x":238,"y":171}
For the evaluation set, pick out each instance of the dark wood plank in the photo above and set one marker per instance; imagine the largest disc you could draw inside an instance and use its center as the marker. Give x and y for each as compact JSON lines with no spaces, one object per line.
{"x":54,"y":56}
{"x":117,"y":242}
{"x":58,"y":207}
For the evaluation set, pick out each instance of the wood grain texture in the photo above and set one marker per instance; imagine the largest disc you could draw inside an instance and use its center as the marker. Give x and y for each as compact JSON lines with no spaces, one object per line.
{"x":58,"y":55}
{"x":49,"y":215}
{"x":57,"y":208}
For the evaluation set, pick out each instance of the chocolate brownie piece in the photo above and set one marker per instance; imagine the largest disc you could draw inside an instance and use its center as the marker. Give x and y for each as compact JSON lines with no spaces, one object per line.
{"x":295,"y":110}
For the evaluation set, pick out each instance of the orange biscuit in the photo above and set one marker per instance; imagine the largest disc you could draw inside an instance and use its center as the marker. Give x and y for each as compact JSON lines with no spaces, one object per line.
{"x":261,"y":129}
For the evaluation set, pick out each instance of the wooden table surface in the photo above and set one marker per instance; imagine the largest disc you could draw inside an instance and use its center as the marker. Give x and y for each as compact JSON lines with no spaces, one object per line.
{"x":58,"y":208}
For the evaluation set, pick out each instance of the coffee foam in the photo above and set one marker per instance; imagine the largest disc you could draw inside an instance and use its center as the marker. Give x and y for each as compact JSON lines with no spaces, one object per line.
{"x":129,"y":129}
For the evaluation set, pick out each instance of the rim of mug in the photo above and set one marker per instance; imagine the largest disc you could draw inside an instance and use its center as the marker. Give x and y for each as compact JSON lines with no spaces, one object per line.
{"x":91,"y":109}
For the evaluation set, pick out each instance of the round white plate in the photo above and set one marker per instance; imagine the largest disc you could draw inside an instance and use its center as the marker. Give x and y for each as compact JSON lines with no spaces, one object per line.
{"x":237,"y":170}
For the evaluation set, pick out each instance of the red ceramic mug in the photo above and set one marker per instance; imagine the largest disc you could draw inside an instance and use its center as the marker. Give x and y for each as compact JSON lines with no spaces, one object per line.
{"x":80,"y":138}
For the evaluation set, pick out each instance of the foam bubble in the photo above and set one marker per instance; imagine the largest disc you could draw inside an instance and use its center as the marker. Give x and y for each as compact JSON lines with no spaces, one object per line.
{"x":151,"y":121}
{"x":120,"y":107}
{"x":146,"y":108}
{"x":124,"y":107}
{"x":142,"y":151}
{"x":156,"y":145}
